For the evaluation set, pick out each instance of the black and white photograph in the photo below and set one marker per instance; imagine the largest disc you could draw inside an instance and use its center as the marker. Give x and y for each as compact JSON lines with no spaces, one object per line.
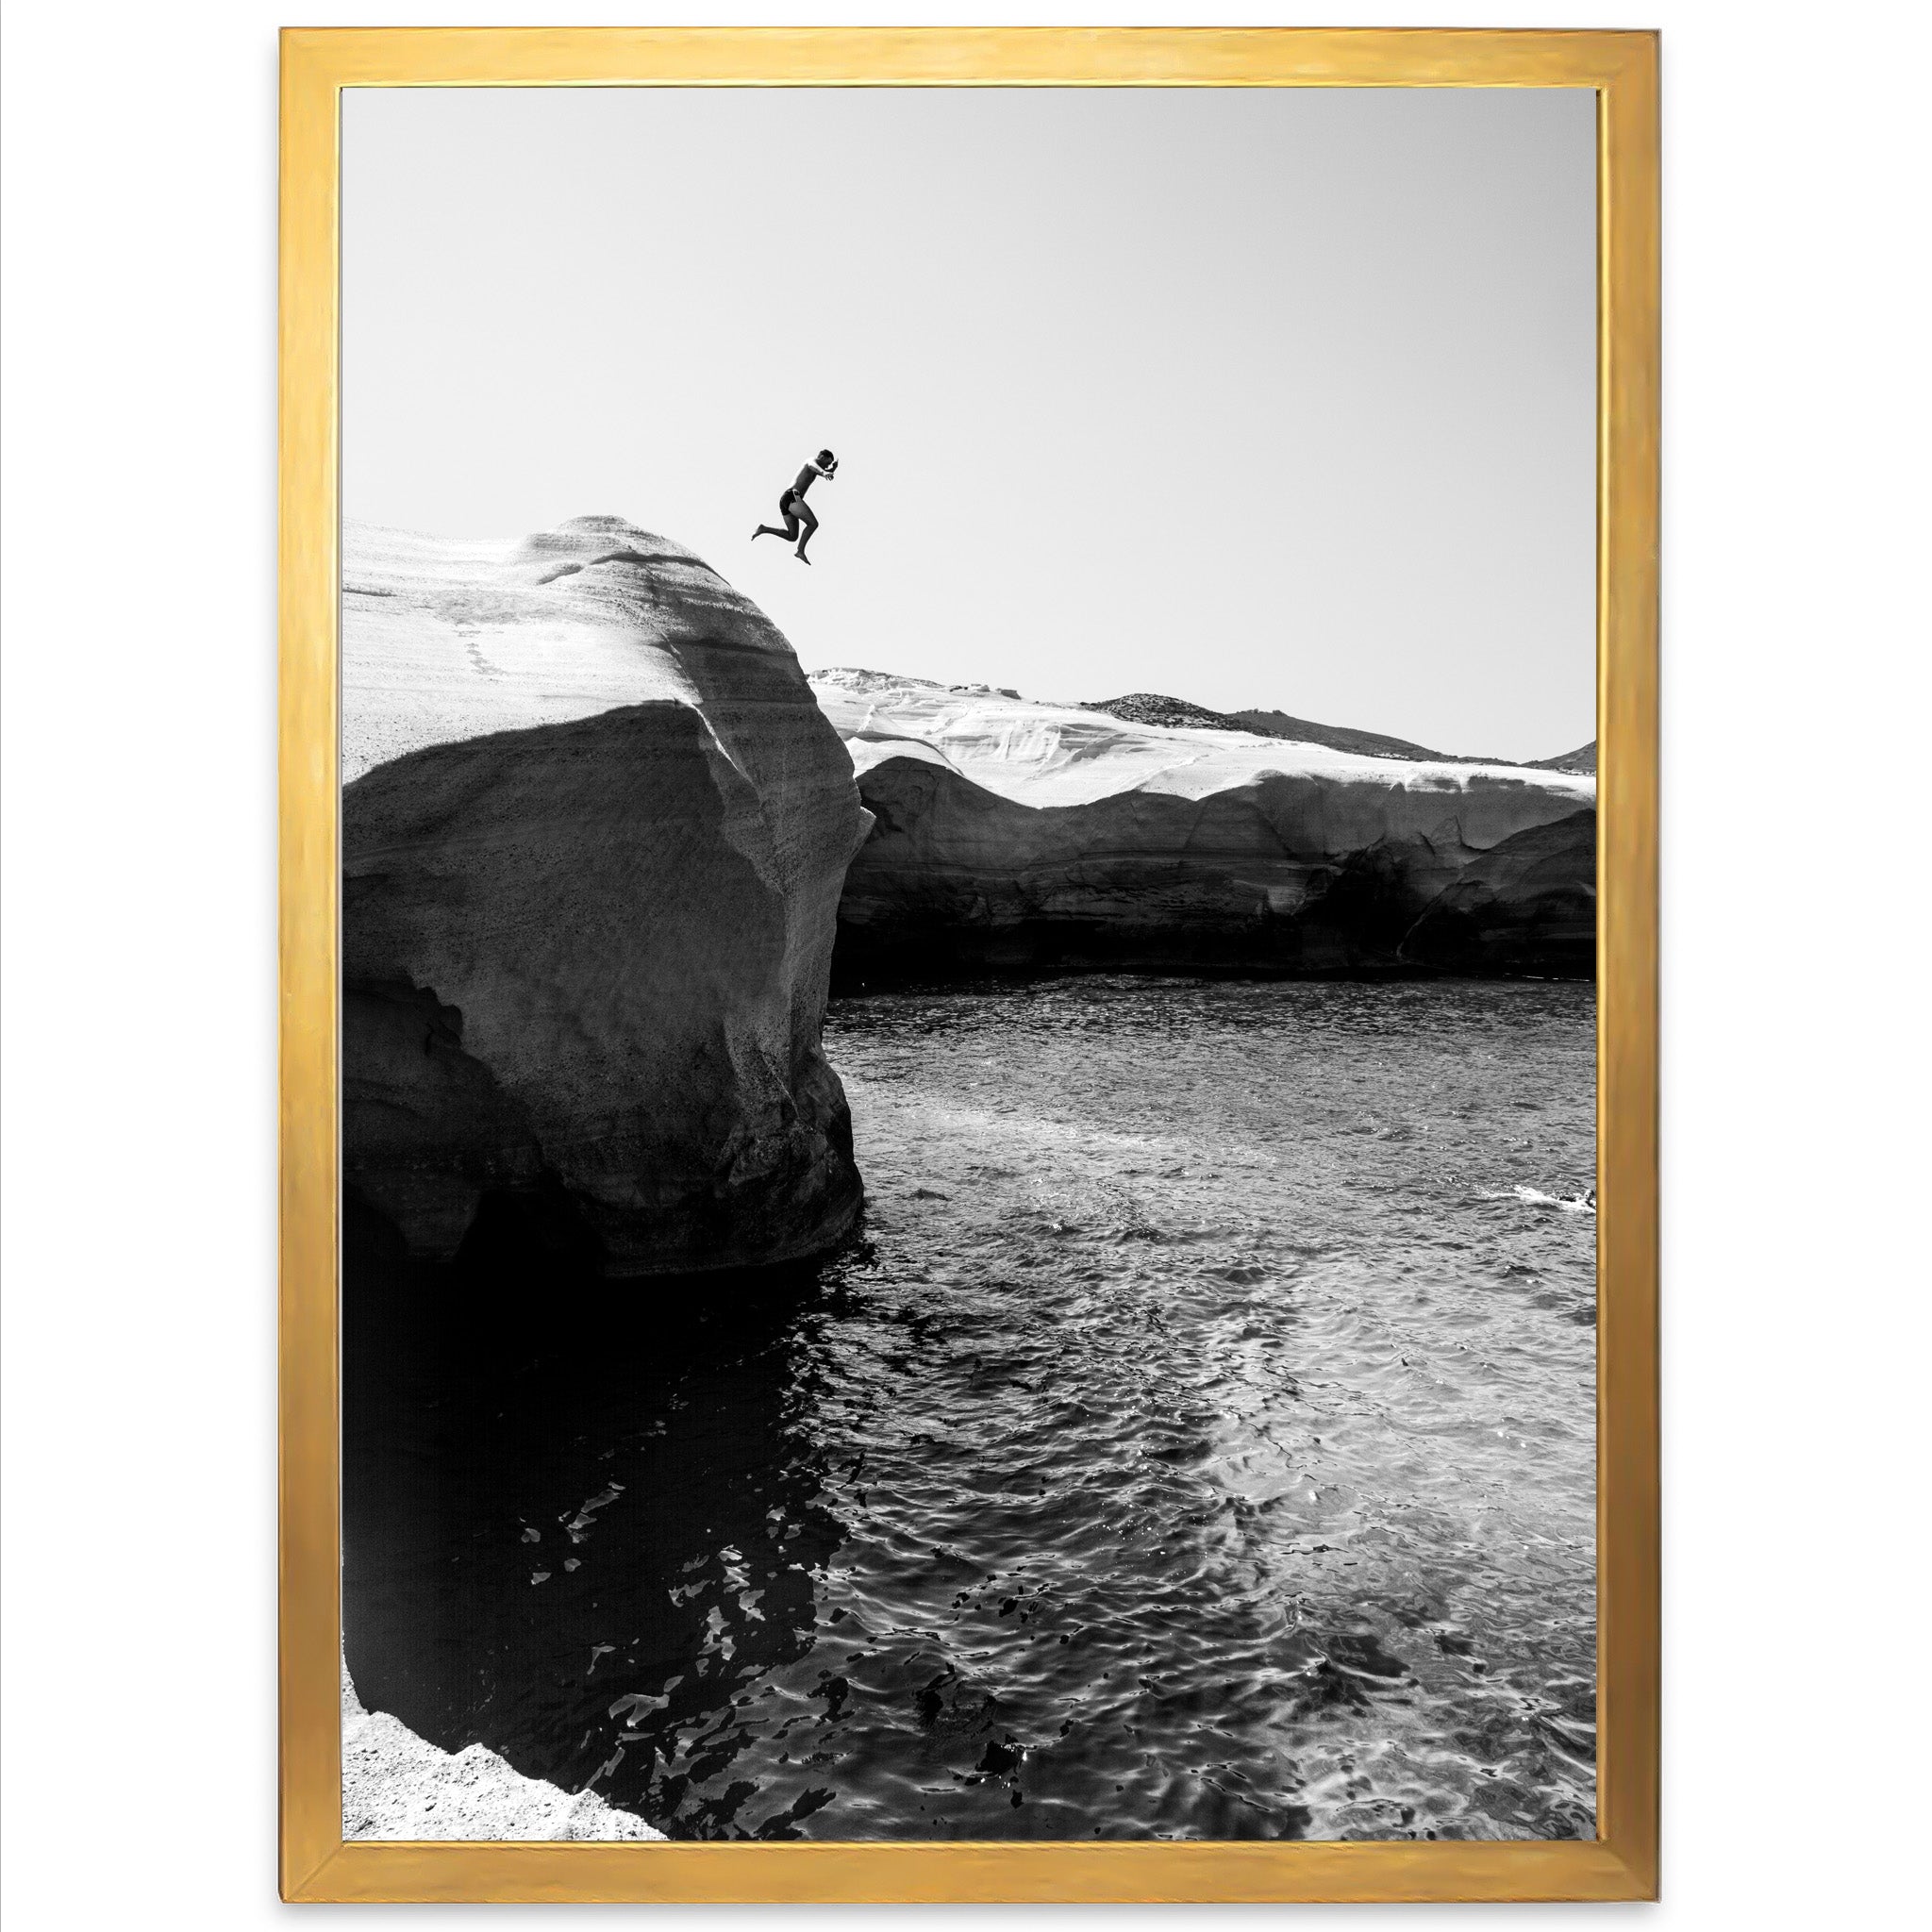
{"x":962,"y":961}
{"x":969,"y":945}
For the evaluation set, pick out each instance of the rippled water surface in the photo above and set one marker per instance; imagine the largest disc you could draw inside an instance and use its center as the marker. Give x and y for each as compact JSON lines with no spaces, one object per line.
{"x":1199,"y":1443}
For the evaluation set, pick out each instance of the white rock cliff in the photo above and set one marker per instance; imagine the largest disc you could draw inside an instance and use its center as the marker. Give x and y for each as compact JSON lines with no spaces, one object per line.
{"x":594,"y":829}
{"x":1011,"y":833}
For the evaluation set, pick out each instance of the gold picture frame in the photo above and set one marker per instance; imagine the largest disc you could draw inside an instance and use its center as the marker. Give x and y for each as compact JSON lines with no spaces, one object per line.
{"x":1622,"y":69}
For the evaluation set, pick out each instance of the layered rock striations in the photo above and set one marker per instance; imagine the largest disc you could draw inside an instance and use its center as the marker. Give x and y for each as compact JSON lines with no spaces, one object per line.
{"x":594,"y":829}
{"x":1010,"y":833}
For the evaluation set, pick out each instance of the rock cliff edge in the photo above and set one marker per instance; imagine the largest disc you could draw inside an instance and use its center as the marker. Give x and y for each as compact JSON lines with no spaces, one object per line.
{"x":594,"y":829}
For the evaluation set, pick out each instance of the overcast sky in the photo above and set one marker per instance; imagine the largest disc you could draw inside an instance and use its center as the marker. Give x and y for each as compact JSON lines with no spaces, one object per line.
{"x":1266,"y":397}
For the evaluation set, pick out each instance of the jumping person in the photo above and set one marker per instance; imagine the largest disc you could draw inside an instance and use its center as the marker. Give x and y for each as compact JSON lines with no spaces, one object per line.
{"x":799,"y":521}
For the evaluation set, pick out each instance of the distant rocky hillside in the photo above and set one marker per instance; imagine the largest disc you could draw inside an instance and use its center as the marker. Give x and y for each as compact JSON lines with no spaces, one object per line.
{"x":1582,"y":759}
{"x":1151,"y":707}
{"x":1369,"y":745}
{"x":1009,"y":834}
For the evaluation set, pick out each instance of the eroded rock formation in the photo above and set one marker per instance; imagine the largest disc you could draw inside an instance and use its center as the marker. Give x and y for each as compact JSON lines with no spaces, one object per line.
{"x":1010,"y":833}
{"x":1527,"y":905}
{"x":594,"y":833}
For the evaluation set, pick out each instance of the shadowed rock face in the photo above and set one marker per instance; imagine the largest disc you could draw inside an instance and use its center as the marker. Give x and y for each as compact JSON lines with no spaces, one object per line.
{"x":1010,"y":834}
{"x":592,"y":844}
{"x":1526,"y":905}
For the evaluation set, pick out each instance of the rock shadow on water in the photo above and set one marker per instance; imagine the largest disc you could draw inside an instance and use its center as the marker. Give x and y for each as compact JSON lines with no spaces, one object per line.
{"x":579,"y":1524}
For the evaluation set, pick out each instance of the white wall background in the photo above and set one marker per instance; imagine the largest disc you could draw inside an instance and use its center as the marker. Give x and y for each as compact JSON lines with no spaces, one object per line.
{"x":139,"y":1122}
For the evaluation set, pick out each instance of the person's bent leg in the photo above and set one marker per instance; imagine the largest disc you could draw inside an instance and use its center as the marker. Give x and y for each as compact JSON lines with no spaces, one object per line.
{"x":787,"y":508}
{"x":805,"y":516}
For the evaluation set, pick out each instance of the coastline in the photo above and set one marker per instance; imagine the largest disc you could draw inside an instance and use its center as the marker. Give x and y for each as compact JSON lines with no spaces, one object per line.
{"x":396,"y":1785}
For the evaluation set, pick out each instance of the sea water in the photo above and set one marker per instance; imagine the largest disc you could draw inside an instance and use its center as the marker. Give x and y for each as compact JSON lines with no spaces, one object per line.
{"x":1198,"y":1442}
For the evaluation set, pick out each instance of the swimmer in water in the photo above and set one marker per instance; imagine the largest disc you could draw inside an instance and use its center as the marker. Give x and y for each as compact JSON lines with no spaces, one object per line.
{"x":799,"y":522}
